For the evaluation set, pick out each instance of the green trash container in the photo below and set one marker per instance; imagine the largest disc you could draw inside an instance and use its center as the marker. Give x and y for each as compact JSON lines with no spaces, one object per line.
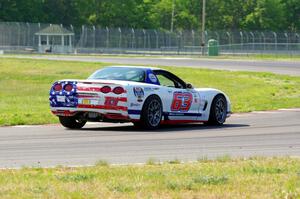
{"x":213,"y":47}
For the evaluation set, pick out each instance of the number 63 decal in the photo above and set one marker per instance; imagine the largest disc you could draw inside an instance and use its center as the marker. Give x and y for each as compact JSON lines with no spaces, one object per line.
{"x":182,"y":101}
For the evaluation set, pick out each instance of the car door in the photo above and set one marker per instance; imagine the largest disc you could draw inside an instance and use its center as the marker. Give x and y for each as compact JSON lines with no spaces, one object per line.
{"x":180,"y":103}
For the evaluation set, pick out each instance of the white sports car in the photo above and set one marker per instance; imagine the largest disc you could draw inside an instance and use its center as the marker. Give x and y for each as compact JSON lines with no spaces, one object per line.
{"x":146,"y":96}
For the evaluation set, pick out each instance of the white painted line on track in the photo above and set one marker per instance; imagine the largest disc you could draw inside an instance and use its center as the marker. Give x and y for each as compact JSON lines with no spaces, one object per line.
{"x":289,"y":109}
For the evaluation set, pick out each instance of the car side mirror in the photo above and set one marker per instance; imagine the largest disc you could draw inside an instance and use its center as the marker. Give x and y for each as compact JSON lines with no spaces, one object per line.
{"x":189,"y":86}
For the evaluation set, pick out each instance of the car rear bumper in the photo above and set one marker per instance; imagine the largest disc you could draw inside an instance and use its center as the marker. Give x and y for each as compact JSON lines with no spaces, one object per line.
{"x":100,"y":114}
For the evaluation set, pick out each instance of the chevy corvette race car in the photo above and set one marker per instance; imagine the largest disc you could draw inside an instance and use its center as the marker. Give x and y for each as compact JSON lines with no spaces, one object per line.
{"x":145,"y":96}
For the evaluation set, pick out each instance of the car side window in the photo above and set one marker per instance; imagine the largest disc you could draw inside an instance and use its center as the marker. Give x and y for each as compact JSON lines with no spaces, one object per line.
{"x":168,"y":79}
{"x":164,"y":81}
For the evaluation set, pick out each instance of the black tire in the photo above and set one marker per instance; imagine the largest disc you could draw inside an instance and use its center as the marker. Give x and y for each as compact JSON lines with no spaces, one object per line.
{"x":218,"y":111}
{"x":71,"y":122}
{"x":137,"y":124}
{"x":151,"y":113}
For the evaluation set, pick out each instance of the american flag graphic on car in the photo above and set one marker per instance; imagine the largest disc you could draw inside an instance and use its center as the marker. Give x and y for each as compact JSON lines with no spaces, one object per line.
{"x":63,"y":94}
{"x":84,"y":95}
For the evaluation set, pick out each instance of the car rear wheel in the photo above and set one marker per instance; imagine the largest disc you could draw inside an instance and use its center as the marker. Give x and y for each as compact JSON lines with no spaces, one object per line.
{"x":151,"y":113}
{"x":218,"y":111}
{"x":71,"y":122}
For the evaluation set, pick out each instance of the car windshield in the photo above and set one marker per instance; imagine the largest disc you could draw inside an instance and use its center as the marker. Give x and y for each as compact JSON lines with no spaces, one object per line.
{"x":119,"y":73}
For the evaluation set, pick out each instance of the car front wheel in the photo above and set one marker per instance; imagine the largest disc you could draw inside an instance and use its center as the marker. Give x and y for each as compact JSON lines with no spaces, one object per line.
{"x":71,"y":122}
{"x":218,"y":111}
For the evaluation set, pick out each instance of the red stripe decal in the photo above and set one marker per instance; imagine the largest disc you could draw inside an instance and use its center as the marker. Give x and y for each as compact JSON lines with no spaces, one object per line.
{"x":118,"y":99}
{"x":122,"y":99}
{"x":116,"y":116}
{"x":93,"y":89}
{"x":87,"y":96}
{"x":63,"y":112}
{"x":107,"y":107}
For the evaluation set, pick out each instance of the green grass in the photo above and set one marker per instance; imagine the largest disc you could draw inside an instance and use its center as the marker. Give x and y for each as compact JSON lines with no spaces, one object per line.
{"x":265,"y":57}
{"x":25,"y":88}
{"x":25,"y":83}
{"x":233,"y":178}
{"x":258,"y":57}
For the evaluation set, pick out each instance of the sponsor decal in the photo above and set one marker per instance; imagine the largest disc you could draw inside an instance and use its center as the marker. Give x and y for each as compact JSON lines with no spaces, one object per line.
{"x":139,"y":93}
{"x":148,"y":89}
{"x":182,"y":114}
{"x":182,"y":101}
{"x":176,"y":114}
{"x":134,"y":104}
{"x":152,"y":78}
{"x":111,"y":101}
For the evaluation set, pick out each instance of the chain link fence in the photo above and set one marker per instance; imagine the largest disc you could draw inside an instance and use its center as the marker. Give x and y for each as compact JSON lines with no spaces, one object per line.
{"x":22,"y":38}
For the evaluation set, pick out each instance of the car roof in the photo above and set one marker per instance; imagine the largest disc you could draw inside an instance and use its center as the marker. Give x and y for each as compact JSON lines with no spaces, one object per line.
{"x":141,"y":67}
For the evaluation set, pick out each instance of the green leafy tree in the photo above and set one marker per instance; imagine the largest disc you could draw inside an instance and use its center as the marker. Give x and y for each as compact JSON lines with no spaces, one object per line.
{"x":61,"y":11}
{"x":267,"y":15}
{"x":277,"y":15}
{"x":293,"y":14}
{"x":21,"y":10}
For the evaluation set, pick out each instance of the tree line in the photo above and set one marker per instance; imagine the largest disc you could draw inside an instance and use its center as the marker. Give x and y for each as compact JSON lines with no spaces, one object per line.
{"x":275,"y":15}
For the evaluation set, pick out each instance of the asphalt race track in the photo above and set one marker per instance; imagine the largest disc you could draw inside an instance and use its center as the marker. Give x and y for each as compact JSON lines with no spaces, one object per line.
{"x":249,"y":134}
{"x":260,"y":133}
{"x":278,"y":67}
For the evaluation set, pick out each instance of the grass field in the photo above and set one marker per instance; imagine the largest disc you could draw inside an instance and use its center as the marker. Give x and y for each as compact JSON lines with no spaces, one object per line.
{"x":221,"y":178}
{"x":265,"y":57}
{"x":25,"y":83}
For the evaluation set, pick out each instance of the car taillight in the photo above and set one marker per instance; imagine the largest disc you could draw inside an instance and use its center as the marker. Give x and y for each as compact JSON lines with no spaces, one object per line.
{"x":68,"y":87}
{"x":118,"y":90}
{"x":105,"y":89}
{"x":57,"y":87}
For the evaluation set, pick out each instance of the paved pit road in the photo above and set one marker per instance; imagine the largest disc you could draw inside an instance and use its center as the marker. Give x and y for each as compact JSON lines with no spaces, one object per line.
{"x":248,"y":134}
